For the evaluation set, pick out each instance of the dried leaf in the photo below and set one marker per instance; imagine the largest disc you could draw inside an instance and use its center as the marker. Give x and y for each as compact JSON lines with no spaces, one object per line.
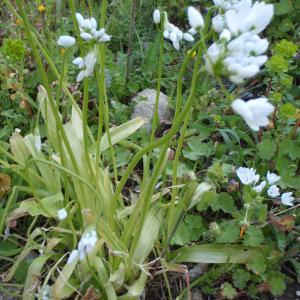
{"x":5,"y":183}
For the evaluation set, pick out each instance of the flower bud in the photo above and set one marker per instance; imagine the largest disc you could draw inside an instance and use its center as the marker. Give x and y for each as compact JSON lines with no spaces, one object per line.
{"x":195,"y":18}
{"x":156,"y":16}
{"x":66,"y":41}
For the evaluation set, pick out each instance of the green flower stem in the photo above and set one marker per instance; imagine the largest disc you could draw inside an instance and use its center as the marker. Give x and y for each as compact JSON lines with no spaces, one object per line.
{"x":155,"y":119}
{"x":53,"y":106}
{"x":175,"y":189}
{"x":85,"y":127}
{"x":175,"y":126}
{"x":73,"y":14}
{"x":149,"y":188}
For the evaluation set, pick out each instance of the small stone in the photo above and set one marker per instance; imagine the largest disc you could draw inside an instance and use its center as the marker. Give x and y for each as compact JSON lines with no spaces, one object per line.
{"x":145,"y":105}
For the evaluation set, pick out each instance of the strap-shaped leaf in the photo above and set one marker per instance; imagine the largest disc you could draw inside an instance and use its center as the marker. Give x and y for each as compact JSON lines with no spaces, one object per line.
{"x":119,"y":133}
{"x":214,"y":253}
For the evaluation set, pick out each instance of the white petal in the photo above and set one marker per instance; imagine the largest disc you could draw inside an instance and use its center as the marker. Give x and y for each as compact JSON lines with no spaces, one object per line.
{"x":188,"y":37}
{"x":93,"y":23}
{"x":86,"y":36}
{"x":80,"y":20}
{"x":80,"y":76}
{"x":195,"y":17}
{"x":241,"y":108}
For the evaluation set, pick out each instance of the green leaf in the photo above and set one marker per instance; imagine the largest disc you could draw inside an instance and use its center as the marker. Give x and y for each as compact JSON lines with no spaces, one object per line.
{"x":277,"y":285}
{"x":225,"y":203}
{"x":189,"y":230}
{"x":209,"y":198}
{"x":8,"y":248}
{"x":229,"y":232}
{"x":214,"y":254}
{"x":288,"y":110}
{"x":253,"y":237}
{"x":228,"y":291}
{"x":119,"y":133}
{"x":283,"y":7}
{"x":257,"y":263}
{"x":266,"y":149}
{"x":240,"y":278}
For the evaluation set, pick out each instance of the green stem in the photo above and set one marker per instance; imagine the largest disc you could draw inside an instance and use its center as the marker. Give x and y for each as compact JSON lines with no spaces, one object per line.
{"x":174,"y":173}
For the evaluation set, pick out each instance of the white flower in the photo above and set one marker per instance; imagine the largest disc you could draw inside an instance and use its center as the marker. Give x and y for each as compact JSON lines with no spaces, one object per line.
{"x":272,"y":178}
{"x":287,"y":199}
{"x":213,"y":55}
{"x":86,"y":64}
{"x":17,"y":130}
{"x":62,"y":214}
{"x":87,"y":243}
{"x":273,"y":191}
{"x":104,"y":38}
{"x":88,"y":30}
{"x":86,"y":36}
{"x":260,"y":187}
{"x":195,"y":17}
{"x":80,"y":20}
{"x":238,"y":28}
{"x":188,"y":37}
{"x":66,"y":41}
{"x":73,"y":256}
{"x":247,"y":17}
{"x":255,"y":112}
{"x":218,"y":23}
{"x":156,"y":16}
{"x":226,"y":35}
{"x":172,"y":33}
{"x":247,"y":176}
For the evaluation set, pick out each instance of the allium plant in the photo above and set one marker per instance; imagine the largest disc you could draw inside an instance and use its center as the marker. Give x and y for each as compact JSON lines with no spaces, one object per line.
{"x":97,"y":238}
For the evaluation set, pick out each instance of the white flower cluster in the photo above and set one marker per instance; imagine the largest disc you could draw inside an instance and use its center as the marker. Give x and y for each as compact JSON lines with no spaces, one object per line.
{"x":174,"y":34}
{"x":239,"y":50}
{"x":86,"y":65}
{"x":88,"y":32}
{"x":249,"y":177}
{"x":85,"y":245}
{"x":255,"y":112}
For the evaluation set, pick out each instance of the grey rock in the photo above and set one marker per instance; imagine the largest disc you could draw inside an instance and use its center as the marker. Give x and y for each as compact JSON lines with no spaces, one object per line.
{"x":145,"y":104}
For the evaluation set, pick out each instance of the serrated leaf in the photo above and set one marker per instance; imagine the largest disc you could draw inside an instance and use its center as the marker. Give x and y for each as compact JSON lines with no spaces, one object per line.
{"x":277,"y":285}
{"x":240,"y":278}
{"x":266,"y":149}
{"x":253,"y":237}
{"x":257,"y":263}
{"x":189,"y":230}
{"x":225,"y":203}
{"x":229,"y":232}
{"x":228,"y":291}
